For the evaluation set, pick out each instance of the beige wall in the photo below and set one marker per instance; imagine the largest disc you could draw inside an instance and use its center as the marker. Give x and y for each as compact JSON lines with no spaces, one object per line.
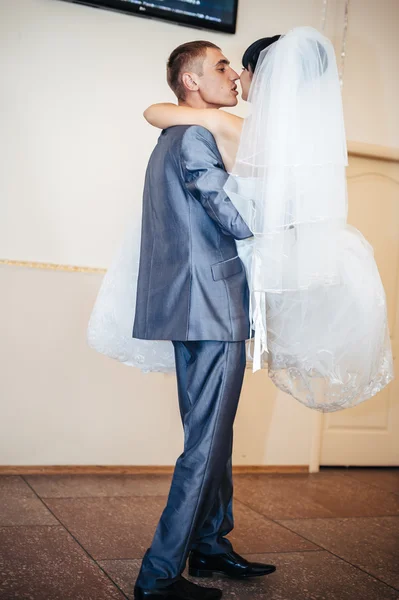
{"x":74,"y":82}
{"x":62,"y":403}
{"x":371,"y":82}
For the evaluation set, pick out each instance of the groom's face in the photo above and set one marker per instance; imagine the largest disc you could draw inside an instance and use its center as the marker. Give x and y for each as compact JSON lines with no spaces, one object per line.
{"x":217,"y":85}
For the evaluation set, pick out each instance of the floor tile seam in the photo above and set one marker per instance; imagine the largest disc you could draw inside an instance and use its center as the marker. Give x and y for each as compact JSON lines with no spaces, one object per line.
{"x":140,"y":558}
{"x":32,"y":525}
{"x":91,"y":558}
{"x":303,"y":536}
{"x":336,"y":518}
{"x":305,"y":550}
{"x":343,"y":560}
{"x":97,"y":497}
{"x":363,"y":570}
{"x":282,"y":525}
{"x":389,"y":493}
{"x":295,"y":532}
{"x":273,"y":519}
{"x":372,"y":485}
{"x":313,"y":518}
{"x":235,"y":500}
{"x":290,"y":552}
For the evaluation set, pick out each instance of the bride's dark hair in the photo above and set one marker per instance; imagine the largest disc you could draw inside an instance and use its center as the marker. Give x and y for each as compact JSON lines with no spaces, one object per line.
{"x":251,"y":55}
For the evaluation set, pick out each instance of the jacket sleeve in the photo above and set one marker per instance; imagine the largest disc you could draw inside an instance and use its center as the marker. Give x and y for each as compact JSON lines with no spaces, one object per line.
{"x":204,"y":177}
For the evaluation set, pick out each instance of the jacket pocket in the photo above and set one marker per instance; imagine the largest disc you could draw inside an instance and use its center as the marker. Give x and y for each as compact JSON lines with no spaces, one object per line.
{"x":226,"y":268}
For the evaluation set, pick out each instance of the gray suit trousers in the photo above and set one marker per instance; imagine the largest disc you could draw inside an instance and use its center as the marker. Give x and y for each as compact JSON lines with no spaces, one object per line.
{"x":198,"y":513}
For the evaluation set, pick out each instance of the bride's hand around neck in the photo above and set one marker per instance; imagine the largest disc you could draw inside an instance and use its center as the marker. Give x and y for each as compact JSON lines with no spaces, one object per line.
{"x":225,"y":127}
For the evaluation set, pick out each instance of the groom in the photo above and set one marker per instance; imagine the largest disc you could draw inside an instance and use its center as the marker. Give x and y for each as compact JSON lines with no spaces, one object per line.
{"x":192,"y":290}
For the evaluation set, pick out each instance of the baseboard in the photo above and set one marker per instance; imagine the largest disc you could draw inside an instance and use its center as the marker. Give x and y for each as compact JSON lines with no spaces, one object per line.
{"x":135,"y":470}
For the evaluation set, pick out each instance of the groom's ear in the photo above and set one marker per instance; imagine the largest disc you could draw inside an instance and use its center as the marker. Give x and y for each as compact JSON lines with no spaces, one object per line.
{"x":190,"y":82}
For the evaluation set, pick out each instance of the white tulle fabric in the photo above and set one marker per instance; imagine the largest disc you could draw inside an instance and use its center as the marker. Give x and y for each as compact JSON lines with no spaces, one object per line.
{"x":111,"y":323}
{"x":318,"y":306}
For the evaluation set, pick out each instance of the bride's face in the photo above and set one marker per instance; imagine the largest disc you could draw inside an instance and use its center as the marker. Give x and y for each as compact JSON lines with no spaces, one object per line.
{"x":246,"y":80}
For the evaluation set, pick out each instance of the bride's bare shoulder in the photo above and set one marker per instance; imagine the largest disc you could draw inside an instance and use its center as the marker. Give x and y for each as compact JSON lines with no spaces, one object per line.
{"x":224,"y":123}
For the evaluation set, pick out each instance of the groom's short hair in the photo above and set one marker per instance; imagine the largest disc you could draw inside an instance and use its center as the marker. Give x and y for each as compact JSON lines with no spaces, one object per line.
{"x":186,"y":58}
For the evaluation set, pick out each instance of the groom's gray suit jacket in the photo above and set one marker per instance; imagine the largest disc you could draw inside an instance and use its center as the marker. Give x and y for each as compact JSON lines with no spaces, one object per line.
{"x":192,"y":284}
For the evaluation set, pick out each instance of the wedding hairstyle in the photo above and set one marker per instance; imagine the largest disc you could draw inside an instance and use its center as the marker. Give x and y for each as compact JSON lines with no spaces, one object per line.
{"x":183,"y":59}
{"x":251,"y":55}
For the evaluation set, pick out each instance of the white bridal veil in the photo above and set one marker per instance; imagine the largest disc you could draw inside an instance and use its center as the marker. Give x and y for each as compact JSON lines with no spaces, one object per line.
{"x":318,"y":306}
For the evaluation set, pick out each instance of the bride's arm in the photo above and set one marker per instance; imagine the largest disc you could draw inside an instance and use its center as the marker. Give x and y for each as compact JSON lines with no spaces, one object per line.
{"x":217,"y":121}
{"x":166,"y":114}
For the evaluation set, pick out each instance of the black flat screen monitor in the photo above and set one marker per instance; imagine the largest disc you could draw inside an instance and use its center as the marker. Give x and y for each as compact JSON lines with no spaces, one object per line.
{"x":218,"y":15}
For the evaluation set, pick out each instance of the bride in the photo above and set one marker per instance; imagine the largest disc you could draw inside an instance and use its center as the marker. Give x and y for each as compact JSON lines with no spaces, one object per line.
{"x":318,"y":307}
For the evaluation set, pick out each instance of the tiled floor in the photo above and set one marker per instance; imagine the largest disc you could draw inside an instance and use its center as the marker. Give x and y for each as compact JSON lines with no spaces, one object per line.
{"x":333,"y":535}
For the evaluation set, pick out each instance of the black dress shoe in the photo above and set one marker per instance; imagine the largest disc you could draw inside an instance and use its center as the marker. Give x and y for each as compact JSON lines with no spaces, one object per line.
{"x":231,"y":564}
{"x":178,"y":590}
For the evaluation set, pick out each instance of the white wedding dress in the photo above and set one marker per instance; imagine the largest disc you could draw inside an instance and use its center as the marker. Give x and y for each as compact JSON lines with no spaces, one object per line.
{"x":338,"y":351}
{"x":317,"y":304}
{"x":111,"y":323}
